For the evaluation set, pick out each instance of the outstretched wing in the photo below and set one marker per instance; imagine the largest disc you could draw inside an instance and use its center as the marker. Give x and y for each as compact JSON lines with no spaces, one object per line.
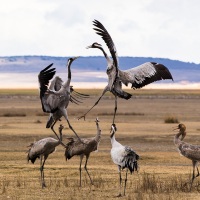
{"x":76,"y":97}
{"x":101,"y":30}
{"x":44,"y":77}
{"x":144,"y":74}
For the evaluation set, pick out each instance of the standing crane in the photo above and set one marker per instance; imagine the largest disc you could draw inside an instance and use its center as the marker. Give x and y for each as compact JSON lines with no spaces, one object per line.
{"x":83,"y":148}
{"x":123,"y":156}
{"x":56,"y":97}
{"x":138,"y":76}
{"x":41,"y":149}
{"x":190,"y":151}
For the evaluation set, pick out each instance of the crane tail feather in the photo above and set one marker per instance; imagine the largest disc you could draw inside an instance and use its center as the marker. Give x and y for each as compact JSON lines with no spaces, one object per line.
{"x":131,"y":162}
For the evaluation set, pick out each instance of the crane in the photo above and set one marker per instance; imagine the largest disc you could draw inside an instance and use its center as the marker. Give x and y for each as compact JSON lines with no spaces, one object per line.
{"x":83,"y":148}
{"x":123,"y":157}
{"x":189,"y":151}
{"x":138,"y":76}
{"x":41,"y":149}
{"x":56,"y":96}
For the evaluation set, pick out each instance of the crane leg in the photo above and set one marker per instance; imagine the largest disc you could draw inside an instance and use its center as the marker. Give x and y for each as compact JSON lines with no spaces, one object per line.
{"x":104,"y":91}
{"x":87,"y":156}
{"x":66,"y":117}
{"x":83,"y":116}
{"x":197,"y":172}
{"x":115,"y":110}
{"x":81,"y":158}
{"x":52,"y":128}
{"x":42,"y":171}
{"x":193,"y":174}
{"x":74,"y":131}
{"x":125,"y":181}
{"x":120,"y":182}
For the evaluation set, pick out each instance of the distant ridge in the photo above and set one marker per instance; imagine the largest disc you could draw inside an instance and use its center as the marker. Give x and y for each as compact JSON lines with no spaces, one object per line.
{"x":92,"y":68}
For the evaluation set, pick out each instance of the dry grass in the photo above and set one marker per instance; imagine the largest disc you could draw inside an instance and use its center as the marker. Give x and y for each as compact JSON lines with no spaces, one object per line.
{"x":14,"y":115}
{"x":163,"y":173}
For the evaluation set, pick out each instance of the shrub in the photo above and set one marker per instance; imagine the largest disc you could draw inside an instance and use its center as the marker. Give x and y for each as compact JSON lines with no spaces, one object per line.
{"x":171,"y":120}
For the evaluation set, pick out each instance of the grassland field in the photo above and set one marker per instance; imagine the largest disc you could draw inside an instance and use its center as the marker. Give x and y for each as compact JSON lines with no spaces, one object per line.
{"x":140,"y":121}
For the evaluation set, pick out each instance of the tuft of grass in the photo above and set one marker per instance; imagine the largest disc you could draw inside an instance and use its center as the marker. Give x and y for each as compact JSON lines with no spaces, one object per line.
{"x":66,"y":182}
{"x":4,"y":185}
{"x":171,"y":120}
{"x":14,"y":115}
{"x":38,"y":121}
{"x":151,"y":183}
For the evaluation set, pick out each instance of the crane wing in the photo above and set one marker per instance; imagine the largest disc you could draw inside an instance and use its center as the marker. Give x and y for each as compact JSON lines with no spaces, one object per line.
{"x":75,"y":147}
{"x":44,"y":77}
{"x":40,"y":147}
{"x":144,"y":74}
{"x":75,"y":96}
{"x":130,"y":159}
{"x":190,"y":151}
{"x":56,"y":84}
{"x":101,"y":30}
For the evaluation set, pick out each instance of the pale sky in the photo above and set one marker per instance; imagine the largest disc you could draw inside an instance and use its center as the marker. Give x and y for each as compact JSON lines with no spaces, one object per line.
{"x":143,"y":28}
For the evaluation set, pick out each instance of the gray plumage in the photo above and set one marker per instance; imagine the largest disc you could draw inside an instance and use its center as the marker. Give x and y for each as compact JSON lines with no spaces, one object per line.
{"x":41,"y":150}
{"x":83,"y":148}
{"x":123,"y":157}
{"x":56,"y":97}
{"x":190,"y":151}
{"x":138,"y":77}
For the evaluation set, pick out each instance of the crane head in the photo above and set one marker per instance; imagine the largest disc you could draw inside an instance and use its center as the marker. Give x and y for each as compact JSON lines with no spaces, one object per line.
{"x":61,"y":128}
{"x":97,"y":120}
{"x":70,"y":60}
{"x":181,"y":127}
{"x":74,"y":58}
{"x":182,"y":131}
{"x":94,"y":45}
{"x":113,"y":130}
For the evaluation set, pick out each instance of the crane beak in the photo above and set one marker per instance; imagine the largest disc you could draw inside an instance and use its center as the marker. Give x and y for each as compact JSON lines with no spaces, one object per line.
{"x":89,"y":47}
{"x":97,"y":120}
{"x":175,"y":128}
{"x":76,"y":57}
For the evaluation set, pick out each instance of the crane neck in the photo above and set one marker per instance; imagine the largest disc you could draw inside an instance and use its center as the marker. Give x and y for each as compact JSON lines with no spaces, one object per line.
{"x":98,"y":135}
{"x":69,"y":68}
{"x":112,"y":137}
{"x":178,"y":140}
{"x":60,"y":138}
{"x":67,"y":83}
{"x":105,"y":54}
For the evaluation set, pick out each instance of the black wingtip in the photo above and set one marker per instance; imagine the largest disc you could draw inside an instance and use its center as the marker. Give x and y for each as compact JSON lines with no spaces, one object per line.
{"x":50,"y":64}
{"x":163,"y":71}
{"x":46,"y":68}
{"x":44,"y":77}
{"x":95,"y":21}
